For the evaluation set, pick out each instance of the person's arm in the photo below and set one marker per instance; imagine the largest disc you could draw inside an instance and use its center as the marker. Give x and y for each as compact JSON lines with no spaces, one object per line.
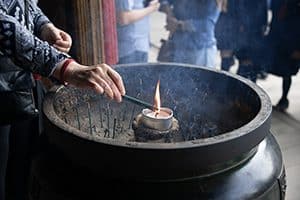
{"x":125,"y":17}
{"x":56,"y":37}
{"x":26,"y":50}
{"x":37,"y":56}
{"x":46,"y":31}
{"x":39,"y":18}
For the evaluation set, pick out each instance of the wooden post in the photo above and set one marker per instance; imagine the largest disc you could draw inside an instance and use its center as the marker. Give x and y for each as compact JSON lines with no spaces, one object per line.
{"x":110,"y":32}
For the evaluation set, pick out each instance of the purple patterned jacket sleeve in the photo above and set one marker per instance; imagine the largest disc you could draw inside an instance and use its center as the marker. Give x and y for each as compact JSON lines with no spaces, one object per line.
{"x":24,"y":48}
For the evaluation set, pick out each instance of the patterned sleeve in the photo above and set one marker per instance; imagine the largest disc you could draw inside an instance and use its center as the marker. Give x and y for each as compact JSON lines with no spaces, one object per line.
{"x":26,"y":50}
{"x":39,"y":18}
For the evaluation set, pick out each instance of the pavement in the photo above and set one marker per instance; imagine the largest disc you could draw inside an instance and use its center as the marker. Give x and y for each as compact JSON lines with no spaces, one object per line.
{"x":285,"y":125}
{"x":286,"y":129}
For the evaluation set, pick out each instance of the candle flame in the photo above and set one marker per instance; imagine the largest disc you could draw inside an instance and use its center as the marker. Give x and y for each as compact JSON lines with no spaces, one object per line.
{"x":157,"y":98}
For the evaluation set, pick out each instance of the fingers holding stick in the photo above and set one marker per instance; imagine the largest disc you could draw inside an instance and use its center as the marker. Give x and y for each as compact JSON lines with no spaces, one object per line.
{"x":117,"y":79}
{"x":101,"y":78}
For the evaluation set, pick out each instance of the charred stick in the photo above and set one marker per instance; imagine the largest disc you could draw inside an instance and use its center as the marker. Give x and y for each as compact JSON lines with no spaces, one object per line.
{"x":65,"y":118}
{"x":114,"y":128}
{"x":77,"y":117}
{"x":119,"y":125}
{"x":131,"y":118}
{"x":107,"y":116}
{"x":90,"y":118}
{"x":106,"y":133}
{"x":101,"y":118}
{"x":124,"y":116}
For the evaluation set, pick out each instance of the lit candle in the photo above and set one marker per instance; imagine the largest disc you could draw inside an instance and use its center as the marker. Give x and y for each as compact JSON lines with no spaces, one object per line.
{"x":162,"y":114}
{"x":159,"y":119}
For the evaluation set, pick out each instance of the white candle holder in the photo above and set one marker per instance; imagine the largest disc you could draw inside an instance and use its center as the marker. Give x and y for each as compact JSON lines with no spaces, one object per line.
{"x":161,"y":122}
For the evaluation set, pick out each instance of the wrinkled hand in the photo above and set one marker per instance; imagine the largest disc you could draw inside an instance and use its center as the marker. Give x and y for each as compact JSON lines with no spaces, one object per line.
{"x":59,"y":39}
{"x":101,"y":78}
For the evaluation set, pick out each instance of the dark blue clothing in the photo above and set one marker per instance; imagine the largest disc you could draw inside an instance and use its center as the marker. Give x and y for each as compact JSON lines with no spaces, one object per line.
{"x":202,"y":16}
{"x":197,"y":43}
{"x":284,"y":37}
{"x":227,"y":27}
{"x":252,"y":15}
{"x":252,"y":22}
{"x":243,"y":20}
{"x":242,"y":27}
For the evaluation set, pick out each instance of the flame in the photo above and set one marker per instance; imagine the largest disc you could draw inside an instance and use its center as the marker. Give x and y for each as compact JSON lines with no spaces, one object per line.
{"x":157,"y":102}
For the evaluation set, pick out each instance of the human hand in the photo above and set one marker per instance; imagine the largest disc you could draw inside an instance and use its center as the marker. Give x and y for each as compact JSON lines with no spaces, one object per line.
{"x":154,"y":5}
{"x":101,"y":78}
{"x":59,"y":39}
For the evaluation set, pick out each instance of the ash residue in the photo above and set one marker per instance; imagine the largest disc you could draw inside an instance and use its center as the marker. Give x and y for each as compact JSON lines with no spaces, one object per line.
{"x":94,"y":114}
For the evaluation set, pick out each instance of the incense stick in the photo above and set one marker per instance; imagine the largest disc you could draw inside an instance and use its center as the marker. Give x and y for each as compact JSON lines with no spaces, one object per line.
{"x":139,"y":102}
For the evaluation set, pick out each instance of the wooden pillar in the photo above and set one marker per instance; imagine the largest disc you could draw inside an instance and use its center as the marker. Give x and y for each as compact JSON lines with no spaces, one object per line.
{"x":110,"y":32}
{"x":92,"y":25}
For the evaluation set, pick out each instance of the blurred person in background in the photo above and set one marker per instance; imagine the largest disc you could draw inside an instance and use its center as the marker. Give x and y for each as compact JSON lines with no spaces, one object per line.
{"x":133,"y":28}
{"x":191,"y":25}
{"x":284,"y":45}
{"x":226,"y":33}
{"x":31,"y":44}
{"x":252,"y":24}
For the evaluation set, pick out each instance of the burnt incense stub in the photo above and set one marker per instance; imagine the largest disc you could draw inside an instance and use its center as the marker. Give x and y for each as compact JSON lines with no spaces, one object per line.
{"x":144,"y":133}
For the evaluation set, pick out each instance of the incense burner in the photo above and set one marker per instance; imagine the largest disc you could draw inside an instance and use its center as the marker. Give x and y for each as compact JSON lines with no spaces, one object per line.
{"x":222,"y":147}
